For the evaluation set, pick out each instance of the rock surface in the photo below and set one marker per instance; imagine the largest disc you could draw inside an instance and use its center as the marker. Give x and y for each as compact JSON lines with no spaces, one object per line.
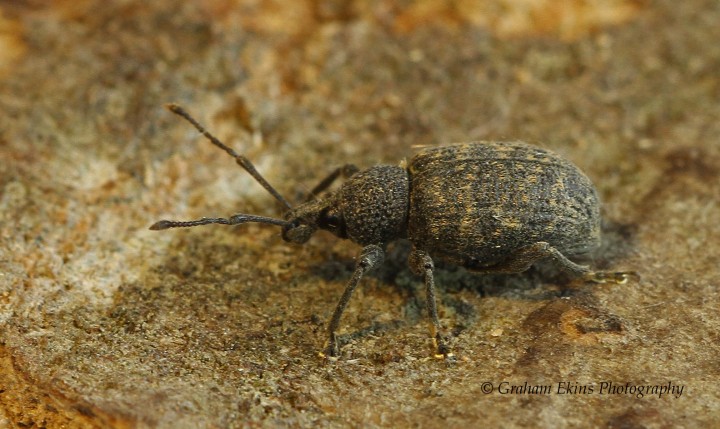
{"x":107,"y":324}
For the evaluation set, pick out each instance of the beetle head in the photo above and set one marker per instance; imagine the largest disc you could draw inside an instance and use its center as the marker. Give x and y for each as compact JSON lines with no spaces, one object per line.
{"x":306,"y":218}
{"x":301,"y":222}
{"x":369,"y":208}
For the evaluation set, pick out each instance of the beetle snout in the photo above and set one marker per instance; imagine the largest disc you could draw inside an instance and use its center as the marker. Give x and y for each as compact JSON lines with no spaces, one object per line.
{"x":297,"y":233}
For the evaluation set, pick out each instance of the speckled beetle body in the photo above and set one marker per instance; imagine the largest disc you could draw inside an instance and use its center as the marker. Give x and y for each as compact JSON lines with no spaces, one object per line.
{"x":487,"y":206}
{"x":475,"y":204}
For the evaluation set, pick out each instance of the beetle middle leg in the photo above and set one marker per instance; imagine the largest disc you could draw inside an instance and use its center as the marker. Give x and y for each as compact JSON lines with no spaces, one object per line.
{"x":523,"y":258}
{"x":422,"y":264}
{"x":370,"y":257}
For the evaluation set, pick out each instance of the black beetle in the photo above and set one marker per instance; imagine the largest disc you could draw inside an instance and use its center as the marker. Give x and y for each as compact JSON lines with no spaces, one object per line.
{"x":490,"y":207}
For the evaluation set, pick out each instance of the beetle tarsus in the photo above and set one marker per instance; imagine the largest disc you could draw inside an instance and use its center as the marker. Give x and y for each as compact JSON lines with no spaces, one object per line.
{"x":619,"y":277}
{"x":331,"y":350}
{"x":441,"y":348}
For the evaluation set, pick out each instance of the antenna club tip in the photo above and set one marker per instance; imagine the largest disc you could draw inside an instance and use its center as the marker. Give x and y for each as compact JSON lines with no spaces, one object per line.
{"x":173,"y":107}
{"x":160,"y":225}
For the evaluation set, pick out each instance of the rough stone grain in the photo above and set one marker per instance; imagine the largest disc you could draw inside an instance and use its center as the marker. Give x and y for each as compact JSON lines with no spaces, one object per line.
{"x":106,"y":324}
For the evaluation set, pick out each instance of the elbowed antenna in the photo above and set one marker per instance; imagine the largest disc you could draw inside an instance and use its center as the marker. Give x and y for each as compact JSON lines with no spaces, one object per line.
{"x":240,"y":159}
{"x":232,"y":220}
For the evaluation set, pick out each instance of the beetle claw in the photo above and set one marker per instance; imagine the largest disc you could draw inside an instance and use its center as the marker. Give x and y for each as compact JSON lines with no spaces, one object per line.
{"x":331,"y":351}
{"x":442,"y":350}
{"x":328,"y":356}
{"x":619,"y":277}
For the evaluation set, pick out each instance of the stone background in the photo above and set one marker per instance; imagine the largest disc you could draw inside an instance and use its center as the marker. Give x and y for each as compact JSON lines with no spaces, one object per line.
{"x":107,"y":324}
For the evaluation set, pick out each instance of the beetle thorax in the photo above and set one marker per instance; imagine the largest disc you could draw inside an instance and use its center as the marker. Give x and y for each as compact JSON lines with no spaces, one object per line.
{"x":374,"y":204}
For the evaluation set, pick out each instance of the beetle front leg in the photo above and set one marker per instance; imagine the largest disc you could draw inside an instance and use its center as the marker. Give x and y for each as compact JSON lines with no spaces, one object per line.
{"x":346,"y":171}
{"x":422,"y":264}
{"x":370,"y":257}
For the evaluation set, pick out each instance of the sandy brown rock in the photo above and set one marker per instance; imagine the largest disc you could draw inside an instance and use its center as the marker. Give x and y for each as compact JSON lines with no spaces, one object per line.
{"x":107,"y":324}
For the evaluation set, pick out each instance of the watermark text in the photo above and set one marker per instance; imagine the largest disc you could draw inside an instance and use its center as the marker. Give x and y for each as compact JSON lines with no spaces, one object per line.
{"x":605,"y":388}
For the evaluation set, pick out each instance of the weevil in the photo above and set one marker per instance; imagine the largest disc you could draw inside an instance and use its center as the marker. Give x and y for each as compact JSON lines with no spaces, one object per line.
{"x":490,"y":207}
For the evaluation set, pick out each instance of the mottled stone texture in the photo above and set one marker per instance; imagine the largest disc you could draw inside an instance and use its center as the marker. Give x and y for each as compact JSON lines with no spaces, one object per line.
{"x":107,"y":324}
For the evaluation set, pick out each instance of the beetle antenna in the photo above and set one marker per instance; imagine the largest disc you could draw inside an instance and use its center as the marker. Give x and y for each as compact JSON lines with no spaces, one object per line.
{"x":235,"y":219}
{"x":240,"y":159}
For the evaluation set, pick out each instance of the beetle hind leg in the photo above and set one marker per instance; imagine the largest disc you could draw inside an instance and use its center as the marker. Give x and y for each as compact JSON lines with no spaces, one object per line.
{"x":525,"y":257}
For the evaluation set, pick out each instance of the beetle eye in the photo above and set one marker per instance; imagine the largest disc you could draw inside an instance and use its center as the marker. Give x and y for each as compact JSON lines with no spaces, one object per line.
{"x":332,"y":221}
{"x":329,"y":220}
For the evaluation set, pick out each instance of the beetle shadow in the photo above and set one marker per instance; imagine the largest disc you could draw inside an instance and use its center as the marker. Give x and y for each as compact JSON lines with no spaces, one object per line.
{"x":544,"y":281}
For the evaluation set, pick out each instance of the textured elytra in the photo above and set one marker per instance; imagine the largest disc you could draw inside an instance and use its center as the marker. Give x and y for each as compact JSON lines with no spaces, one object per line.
{"x":475,"y":204}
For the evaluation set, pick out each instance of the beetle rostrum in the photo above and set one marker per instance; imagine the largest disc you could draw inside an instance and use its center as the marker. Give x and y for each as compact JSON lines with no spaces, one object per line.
{"x":490,"y":207}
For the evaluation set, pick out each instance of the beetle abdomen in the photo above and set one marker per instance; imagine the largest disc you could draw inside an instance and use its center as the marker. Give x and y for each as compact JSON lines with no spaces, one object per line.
{"x":481,"y":201}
